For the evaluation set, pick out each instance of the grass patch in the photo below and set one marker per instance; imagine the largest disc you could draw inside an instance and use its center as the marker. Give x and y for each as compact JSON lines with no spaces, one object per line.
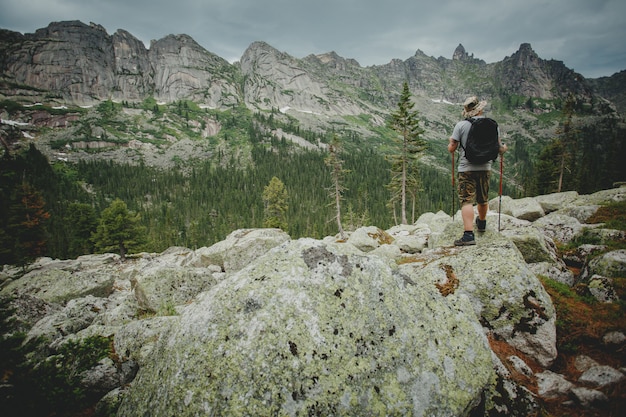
{"x":581,"y":320}
{"x":613,"y":215}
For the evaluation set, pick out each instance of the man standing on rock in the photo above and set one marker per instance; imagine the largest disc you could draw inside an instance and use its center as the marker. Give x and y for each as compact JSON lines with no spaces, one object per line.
{"x":473,"y":176}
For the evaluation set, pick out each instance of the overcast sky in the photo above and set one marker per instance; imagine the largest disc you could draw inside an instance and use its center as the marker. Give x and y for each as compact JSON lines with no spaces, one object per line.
{"x":587,"y":35}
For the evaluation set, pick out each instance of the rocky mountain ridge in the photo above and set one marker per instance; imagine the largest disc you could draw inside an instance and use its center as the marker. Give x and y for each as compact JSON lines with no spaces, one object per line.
{"x":74,"y":64}
{"x":386,"y":322}
{"x":81,"y":64}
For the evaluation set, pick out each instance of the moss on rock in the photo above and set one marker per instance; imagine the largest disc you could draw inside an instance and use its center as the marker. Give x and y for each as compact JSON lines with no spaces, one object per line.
{"x":315,"y":328}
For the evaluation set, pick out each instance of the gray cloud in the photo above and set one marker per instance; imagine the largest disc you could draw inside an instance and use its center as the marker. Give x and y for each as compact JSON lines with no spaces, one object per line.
{"x":587,"y":36}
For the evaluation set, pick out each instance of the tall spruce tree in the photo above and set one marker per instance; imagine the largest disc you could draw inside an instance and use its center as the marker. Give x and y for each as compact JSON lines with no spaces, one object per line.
{"x":334,"y":161}
{"x":275,"y":204}
{"x":82,"y":222}
{"x":410,"y":146}
{"x":26,"y":228}
{"x":566,"y":141}
{"x":119,"y":229}
{"x":554,"y":164}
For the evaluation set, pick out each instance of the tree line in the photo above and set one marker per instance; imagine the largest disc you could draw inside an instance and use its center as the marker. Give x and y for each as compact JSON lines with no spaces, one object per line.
{"x":63,"y":210}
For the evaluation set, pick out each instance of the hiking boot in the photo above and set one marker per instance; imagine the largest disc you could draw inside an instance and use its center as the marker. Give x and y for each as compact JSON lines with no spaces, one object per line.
{"x":466,"y":240}
{"x":481,"y":225}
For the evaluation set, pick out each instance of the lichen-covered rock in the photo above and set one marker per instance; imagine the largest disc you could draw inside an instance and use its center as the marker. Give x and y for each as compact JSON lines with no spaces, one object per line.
{"x":601,"y":376}
{"x":369,"y":238}
{"x":580,"y":213}
{"x":589,"y":398}
{"x":239,"y":249}
{"x":559,"y":227}
{"x":602,"y":197}
{"x":602,"y":289}
{"x":26,"y":311}
{"x":611,"y":264}
{"x":556,"y":271}
{"x":552,"y":385}
{"x":317,"y":328}
{"x":527,"y":209}
{"x":102,"y":378}
{"x":436,"y":222}
{"x":502,"y":205}
{"x":62,"y":281}
{"x":78,"y":314}
{"x":579,"y":256}
{"x":164,"y":288}
{"x":507,"y":398}
{"x":507,"y":297}
{"x":410,"y":238}
{"x":136,"y":341}
{"x":534,"y":245}
{"x":556,"y":201}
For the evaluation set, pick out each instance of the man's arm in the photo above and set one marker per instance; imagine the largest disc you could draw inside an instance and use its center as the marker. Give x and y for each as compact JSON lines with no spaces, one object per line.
{"x":452,"y":145}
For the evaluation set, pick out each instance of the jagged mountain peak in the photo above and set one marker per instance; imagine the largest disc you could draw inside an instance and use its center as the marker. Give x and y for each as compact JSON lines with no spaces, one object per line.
{"x":177,"y":67}
{"x":257,"y":47}
{"x":333,"y":60}
{"x":459,"y":53}
{"x":69,"y":29}
{"x":525,"y":54}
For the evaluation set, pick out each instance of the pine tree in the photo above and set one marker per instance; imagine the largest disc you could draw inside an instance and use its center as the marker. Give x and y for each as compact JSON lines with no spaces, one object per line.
{"x":337,"y":172}
{"x":27,"y":224}
{"x":566,"y":140}
{"x":119,"y":229}
{"x":554,"y":161}
{"x":275,"y":204}
{"x":82,"y":222}
{"x":404,"y":173}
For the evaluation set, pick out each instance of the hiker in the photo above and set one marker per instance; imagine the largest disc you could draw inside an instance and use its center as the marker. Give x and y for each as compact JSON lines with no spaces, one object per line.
{"x":473,"y":177}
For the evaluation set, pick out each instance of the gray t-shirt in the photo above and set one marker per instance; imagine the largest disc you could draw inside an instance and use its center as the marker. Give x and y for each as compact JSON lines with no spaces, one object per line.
{"x":460,"y":132}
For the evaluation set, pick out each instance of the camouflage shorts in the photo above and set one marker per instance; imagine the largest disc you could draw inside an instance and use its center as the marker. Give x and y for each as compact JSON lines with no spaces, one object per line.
{"x":474,"y":186}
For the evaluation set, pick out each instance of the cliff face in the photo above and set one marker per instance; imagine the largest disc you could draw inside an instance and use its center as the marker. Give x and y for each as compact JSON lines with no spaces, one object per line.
{"x":81,"y":64}
{"x":134,"y":74}
{"x":526,"y":74}
{"x":185,"y":70}
{"x":70,"y":60}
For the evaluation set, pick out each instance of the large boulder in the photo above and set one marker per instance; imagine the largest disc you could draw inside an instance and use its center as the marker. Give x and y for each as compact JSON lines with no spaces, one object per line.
{"x":527,"y":209}
{"x":369,"y":238}
{"x":318,"y":328}
{"x":560,"y":227}
{"x":163,"y":289}
{"x":506,"y":295}
{"x":534,"y":245}
{"x":410,"y":238}
{"x":77,"y":315}
{"x":556,"y":201}
{"x":611,"y":264}
{"x":239,"y":249}
{"x":56,"y":281}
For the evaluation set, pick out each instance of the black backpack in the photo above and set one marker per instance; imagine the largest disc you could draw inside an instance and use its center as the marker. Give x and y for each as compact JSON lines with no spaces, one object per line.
{"x":482,"y":143}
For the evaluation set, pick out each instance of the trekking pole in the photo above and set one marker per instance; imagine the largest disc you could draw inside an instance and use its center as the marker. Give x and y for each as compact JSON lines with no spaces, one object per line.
{"x":500,"y":193}
{"x":453,"y":190}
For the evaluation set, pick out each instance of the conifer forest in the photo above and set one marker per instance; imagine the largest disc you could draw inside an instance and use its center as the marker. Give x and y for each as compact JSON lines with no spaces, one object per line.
{"x":55,"y":208}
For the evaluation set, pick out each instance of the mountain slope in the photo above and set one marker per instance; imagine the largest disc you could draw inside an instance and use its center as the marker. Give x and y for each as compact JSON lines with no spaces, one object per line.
{"x":74,"y":64}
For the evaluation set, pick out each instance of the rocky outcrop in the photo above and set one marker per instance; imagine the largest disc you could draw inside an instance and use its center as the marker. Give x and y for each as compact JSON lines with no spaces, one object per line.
{"x":276,"y":80}
{"x":71,"y":59}
{"x":183,"y":70}
{"x":133,"y":69}
{"x":323,"y":329}
{"x":76,"y":63}
{"x":82,"y":64}
{"x":526,"y":74}
{"x":387,"y":322}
